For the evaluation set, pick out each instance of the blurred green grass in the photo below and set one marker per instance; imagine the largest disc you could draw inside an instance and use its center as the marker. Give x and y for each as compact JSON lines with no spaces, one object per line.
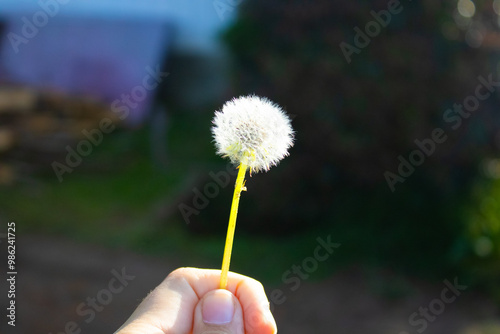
{"x":120,"y":197}
{"x":116,"y":197}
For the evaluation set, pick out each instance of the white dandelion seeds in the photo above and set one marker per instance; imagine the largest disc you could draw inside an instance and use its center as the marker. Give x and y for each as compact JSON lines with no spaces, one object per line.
{"x":252,"y":130}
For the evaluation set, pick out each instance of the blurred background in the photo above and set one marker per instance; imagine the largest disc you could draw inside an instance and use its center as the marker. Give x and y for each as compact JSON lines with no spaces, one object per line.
{"x":107,"y":161}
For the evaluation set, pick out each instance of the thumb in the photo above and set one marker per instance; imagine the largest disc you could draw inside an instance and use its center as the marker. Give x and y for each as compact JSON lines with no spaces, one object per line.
{"x":218,"y":312}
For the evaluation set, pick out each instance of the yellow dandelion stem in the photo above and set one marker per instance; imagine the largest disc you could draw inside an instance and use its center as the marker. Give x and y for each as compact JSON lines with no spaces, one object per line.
{"x":238,"y":188}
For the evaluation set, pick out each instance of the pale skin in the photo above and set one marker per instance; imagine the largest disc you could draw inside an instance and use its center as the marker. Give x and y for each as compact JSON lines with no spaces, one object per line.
{"x":189,"y":301}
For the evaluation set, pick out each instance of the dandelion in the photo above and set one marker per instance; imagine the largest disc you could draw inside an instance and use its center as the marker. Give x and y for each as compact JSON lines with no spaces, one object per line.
{"x":254,"y":133}
{"x":254,"y":130}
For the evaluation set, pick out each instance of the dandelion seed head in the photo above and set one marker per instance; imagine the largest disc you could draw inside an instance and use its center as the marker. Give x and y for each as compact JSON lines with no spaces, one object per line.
{"x":254,"y":130}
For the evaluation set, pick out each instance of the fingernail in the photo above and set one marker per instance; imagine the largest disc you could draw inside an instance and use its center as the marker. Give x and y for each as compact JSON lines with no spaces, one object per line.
{"x":218,"y":308}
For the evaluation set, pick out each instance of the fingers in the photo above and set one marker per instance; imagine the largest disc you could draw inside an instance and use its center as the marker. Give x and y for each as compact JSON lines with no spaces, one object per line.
{"x":253,"y":299}
{"x":218,"y":312}
{"x":249,"y":292}
{"x":191,"y":297}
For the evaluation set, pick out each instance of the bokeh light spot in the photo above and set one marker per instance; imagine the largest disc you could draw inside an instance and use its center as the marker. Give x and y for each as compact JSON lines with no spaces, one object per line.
{"x":496,"y":6}
{"x":466,"y":8}
{"x":483,"y":246}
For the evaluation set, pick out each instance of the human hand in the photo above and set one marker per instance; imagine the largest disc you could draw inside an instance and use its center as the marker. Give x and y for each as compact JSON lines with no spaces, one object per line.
{"x":189,"y":301}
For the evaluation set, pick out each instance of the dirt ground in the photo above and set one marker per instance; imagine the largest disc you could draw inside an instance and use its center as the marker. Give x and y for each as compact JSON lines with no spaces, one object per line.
{"x":58,"y":280}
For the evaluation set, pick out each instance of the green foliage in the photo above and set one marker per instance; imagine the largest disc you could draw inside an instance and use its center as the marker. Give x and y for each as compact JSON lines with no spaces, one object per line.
{"x":354,"y":119}
{"x":480,"y":245}
{"x":359,"y":116}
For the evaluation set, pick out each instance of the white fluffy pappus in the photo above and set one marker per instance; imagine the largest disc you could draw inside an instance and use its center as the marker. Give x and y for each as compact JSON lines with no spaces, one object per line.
{"x":254,"y":130}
